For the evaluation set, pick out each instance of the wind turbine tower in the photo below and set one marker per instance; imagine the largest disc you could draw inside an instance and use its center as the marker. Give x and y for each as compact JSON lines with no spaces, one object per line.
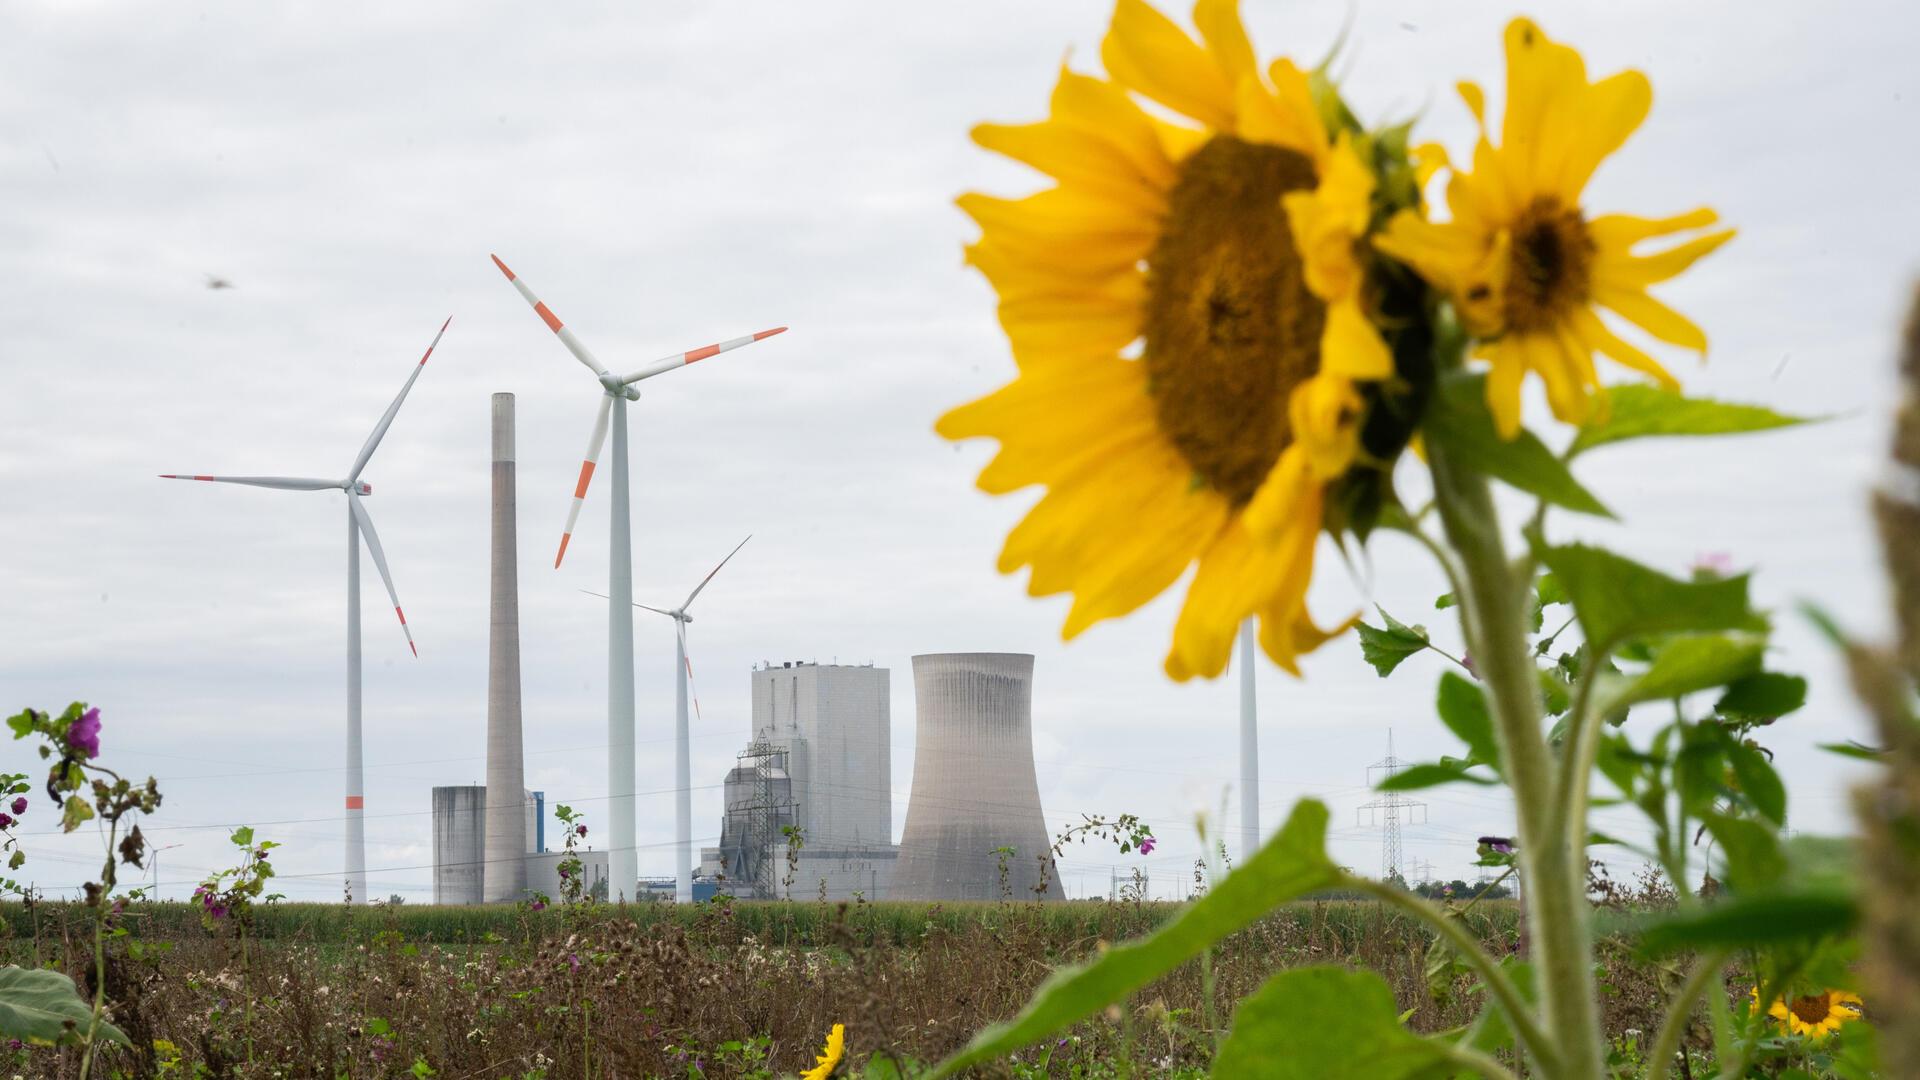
{"x":682,"y":752}
{"x":623,"y":865}
{"x":359,"y":525}
{"x":1249,"y":747}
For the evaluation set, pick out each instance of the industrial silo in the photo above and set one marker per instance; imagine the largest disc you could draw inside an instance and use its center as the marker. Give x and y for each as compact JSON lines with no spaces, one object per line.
{"x":974,"y":787}
{"x":459,"y":843}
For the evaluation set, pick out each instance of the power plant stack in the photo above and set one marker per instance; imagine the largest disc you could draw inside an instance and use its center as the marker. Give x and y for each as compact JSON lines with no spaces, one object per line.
{"x":974,"y":786}
{"x":506,"y":795}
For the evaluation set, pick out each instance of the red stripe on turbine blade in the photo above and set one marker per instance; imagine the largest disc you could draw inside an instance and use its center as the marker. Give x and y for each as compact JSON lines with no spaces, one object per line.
{"x":701,"y":353}
{"x":203,"y":478}
{"x":564,"y":537}
{"x":415,"y":648}
{"x":586,"y":474}
{"x":765,"y":334}
{"x":553,"y":321}
{"x":356,"y":802}
{"x":402,"y":614}
{"x":502,"y":266}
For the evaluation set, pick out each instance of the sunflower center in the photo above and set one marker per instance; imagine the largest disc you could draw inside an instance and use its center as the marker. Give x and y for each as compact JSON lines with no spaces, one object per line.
{"x":1811,"y":1010}
{"x":1230,"y":326}
{"x":1551,"y":265}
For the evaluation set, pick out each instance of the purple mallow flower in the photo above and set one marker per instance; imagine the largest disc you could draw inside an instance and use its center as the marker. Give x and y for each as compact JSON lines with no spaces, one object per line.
{"x":581,"y":829}
{"x":538,"y":905}
{"x":1500,"y":845}
{"x":84,"y":733}
{"x":6,"y":821}
{"x":1146,"y":846}
{"x":19,"y":806}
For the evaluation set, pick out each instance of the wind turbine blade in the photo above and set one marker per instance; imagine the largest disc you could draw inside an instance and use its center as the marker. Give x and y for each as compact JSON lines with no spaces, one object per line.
{"x":693,"y":691}
{"x":287,"y":483}
{"x":380,"y":562}
{"x":709,"y":577}
{"x":553,"y":322}
{"x":655,"y":610}
{"x":594,"y":443}
{"x":386,"y":419}
{"x":682,"y":359}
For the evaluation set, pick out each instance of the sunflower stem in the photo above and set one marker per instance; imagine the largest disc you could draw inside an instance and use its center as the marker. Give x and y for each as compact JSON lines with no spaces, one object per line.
{"x":1495,"y":621}
{"x":1705,"y":971}
{"x":1520,"y":1018}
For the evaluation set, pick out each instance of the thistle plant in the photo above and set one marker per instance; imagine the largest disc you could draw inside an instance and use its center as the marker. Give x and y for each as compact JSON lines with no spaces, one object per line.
{"x":1228,"y":327}
{"x":40,"y":1006}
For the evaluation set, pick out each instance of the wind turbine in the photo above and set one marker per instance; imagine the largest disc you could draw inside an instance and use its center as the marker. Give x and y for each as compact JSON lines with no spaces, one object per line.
{"x":682,"y":754}
{"x":1249,"y":747}
{"x":616,"y":390}
{"x":358,"y":524}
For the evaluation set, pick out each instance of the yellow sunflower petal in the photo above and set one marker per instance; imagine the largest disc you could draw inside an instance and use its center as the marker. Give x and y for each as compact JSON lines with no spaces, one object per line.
{"x":1275,"y":504}
{"x":1219,"y":24}
{"x":1239,"y":575}
{"x":1325,"y":412}
{"x":1546,"y":354}
{"x":1287,"y":635}
{"x":1065,"y":229}
{"x":1613,"y":109}
{"x":1546,"y":83}
{"x":1618,"y":233}
{"x":1326,"y":221}
{"x":1350,"y":345}
{"x":1596,"y":335}
{"x":1284,"y":115}
{"x":1443,"y":252}
{"x":1050,"y":314}
{"x":1656,"y":318}
{"x":1643,"y":270}
{"x":1428,"y":159}
{"x":1083,"y":511}
{"x":1130,"y":570}
{"x":1096,"y":138}
{"x":1507,"y":370}
{"x":1144,"y":51}
{"x":1476,"y":99}
{"x":1053,"y":418}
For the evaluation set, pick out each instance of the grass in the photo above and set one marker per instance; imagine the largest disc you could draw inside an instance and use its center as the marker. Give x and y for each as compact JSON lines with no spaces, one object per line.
{"x":740,"y":989}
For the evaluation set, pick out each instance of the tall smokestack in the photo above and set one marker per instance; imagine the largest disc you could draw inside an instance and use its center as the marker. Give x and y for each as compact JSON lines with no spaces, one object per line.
{"x":506,"y":847}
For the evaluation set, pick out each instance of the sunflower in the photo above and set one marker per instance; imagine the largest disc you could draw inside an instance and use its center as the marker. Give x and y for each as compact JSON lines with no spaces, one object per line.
{"x":828,"y":1059}
{"x":1524,"y":264}
{"x":1815,"y":1016}
{"x":1226,"y":249}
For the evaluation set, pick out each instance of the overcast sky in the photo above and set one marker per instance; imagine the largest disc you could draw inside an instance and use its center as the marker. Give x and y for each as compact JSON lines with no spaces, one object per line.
{"x":667,"y":176}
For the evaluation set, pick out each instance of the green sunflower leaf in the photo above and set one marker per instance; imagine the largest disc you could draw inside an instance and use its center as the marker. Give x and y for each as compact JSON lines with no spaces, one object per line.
{"x":1433,"y":774}
{"x":1323,"y":1023}
{"x":1642,"y":410}
{"x":1293,"y":863}
{"x":40,"y":1006}
{"x":1385,"y":649}
{"x":1684,"y":665}
{"x":1762,"y":919}
{"x":1764,"y":695}
{"x":1463,"y":708}
{"x":1617,"y":598}
{"x":1458,"y":417}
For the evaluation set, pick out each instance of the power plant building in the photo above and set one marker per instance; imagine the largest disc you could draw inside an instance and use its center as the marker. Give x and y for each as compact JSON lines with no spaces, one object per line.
{"x":975,"y":791}
{"x":459,"y":843}
{"x":821,"y":761}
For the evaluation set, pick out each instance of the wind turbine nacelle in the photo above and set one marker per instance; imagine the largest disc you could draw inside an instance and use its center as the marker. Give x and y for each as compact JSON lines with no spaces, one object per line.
{"x":363,"y":487}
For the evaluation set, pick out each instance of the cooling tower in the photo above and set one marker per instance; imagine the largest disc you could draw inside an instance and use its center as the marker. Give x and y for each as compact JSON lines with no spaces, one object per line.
{"x":459,"y":825}
{"x":505,"y":876}
{"x":974,"y":788}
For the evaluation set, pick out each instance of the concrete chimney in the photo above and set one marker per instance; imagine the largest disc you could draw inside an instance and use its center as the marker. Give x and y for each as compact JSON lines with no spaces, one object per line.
{"x":506,"y":822}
